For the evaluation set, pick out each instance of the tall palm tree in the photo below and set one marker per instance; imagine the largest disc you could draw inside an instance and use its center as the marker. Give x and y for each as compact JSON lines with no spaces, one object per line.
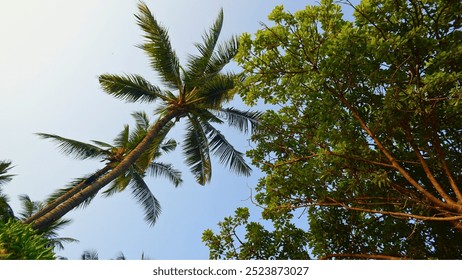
{"x":113,"y":154}
{"x":196,"y":93}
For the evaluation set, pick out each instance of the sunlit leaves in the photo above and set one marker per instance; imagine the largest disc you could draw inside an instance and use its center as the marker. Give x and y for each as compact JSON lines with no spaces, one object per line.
{"x":366,"y":122}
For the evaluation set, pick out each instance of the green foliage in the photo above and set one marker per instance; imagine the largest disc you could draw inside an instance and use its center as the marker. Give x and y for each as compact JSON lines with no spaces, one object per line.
{"x":285,"y":242}
{"x":367,"y":137}
{"x":19,"y":241}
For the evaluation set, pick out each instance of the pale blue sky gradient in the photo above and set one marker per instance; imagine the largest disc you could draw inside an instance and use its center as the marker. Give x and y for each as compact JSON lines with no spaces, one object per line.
{"x":51,"y":53}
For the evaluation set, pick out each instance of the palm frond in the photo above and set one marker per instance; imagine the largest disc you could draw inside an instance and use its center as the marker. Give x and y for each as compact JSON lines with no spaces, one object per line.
{"x":120,"y":256}
{"x":102,"y":144}
{"x":244,"y":121}
{"x":58,"y":243}
{"x":223,"y":55}
{"x":168,"y":146}
{"x":197,"y":64}
{"x":226,"y":153}
{"x":77,"y":149}
{"x":51,"y":233}
{"x":29,"y":207}
{"x":196,"y":151}
{"x":118,"y":185}
{"x":129,"y":87}
{"x":142,"y":120}
{"x":146,"y":198}
{"x":214,"y":92}
{"x":158,"y":48}
{"x":89,"y":255}
{"x":167,"y":171}
{"x":5,"y":167}
{"x":122,"y":139}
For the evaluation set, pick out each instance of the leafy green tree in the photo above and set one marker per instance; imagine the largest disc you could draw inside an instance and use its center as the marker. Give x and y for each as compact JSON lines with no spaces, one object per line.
{"x":125,"y":142}
{"x":286,"y":241}
{"x":196,"y":93}
{"x":367,"y":137}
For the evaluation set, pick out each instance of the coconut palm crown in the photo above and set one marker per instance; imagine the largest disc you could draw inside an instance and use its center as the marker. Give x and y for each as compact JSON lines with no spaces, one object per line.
{"x":196,"y":92}
{"x":112,"y":154}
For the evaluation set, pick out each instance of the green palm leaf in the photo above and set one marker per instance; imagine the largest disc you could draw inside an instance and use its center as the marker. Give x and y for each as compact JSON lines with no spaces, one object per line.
{"x":244,"y":121}
{"x":198,"y":64}
{"x":158,"y":169}
{"x":214,"y":93}
{"x":168,"y":146}
{"x":142,"y":120}
{"x":131,"y":88}
{"x":196,"y":151}
{"x":223,"y":55}
{"x":5,"y":166}
{"x":75,"y":148}
{"x":158,"y":48}
{"x":226,"y":153}
{"x":122,"y":139}
{"x":146,"y":198}
{"x":119,"y":184}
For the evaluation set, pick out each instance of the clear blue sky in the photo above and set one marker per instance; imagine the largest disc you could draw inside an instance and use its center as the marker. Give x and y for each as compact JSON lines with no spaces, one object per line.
{"x":51,"y":53}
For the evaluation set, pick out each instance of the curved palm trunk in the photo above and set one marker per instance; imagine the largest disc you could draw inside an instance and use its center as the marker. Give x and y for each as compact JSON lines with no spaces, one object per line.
{"x":59,"y":211}
{"x":68,"y":194}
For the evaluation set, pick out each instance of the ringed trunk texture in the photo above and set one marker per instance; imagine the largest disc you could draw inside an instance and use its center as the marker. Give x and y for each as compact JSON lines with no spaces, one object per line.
{"x":59,"y":211}
{"x":68,"y":194}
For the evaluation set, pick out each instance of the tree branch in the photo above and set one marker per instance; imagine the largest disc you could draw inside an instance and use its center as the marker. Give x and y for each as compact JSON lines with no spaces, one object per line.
{"x":361,"y":256}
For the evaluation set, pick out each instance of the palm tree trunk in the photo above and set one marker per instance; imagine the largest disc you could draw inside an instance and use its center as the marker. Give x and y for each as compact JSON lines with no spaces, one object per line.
{"x":59,"y":211}
{"x":68,"y":194}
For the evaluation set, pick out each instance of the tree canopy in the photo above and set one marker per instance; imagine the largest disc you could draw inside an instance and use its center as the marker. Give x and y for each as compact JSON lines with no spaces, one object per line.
{"x":366,"y":132}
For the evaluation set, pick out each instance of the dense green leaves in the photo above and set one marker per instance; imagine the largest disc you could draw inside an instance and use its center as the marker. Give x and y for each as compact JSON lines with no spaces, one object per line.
{"x":285,"y":242}
{"x":20,"y":242}
{"x":367,"y":137}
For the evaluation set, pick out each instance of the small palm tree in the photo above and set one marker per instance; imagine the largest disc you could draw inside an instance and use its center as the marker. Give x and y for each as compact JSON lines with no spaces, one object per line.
{"x":196,"y":93}
{"x":89,"y":255}
{"x":112,"y":155}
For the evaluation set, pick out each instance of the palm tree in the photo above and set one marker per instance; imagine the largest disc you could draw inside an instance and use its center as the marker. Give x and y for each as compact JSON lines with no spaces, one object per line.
{"x":89,"y":255}
{"x":196,"y":93}
{"x":113,"y":154}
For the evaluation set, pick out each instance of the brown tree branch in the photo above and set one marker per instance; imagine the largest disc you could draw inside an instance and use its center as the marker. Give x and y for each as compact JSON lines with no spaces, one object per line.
{"x":426,"y":168}
{"x":391,"y":158}
{"x":361,"y":256}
